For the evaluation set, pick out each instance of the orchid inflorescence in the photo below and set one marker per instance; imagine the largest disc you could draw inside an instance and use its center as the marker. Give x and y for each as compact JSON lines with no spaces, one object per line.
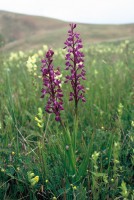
{"x":52,"y":84}
{"x":74,"y":62}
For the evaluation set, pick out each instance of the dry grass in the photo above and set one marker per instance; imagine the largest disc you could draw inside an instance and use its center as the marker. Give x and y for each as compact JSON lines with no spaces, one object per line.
{"x":26,"y":32}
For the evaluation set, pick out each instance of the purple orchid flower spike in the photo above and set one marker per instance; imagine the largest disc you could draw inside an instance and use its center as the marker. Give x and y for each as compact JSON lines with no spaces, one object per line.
{"x":51,"y":86}
{"x":75,"y":63}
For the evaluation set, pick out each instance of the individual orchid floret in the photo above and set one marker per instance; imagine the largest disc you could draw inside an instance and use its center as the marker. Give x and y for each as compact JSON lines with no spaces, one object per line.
{"x":51,"y":86}
{"x":75,"y":63}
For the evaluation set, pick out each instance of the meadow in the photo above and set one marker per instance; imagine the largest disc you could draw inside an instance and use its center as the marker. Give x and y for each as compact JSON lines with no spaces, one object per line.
{"x":91,"y":157}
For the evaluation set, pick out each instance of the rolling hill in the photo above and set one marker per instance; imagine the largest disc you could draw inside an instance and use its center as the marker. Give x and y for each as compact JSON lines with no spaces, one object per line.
{"x":23,"y":32}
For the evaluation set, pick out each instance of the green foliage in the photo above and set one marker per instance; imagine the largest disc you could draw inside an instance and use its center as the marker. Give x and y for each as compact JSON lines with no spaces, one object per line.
{"x":88,"y":158}
{"x":2,"y":40}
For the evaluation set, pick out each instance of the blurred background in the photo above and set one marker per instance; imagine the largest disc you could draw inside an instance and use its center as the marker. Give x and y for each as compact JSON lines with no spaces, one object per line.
{"x":30,"y":24}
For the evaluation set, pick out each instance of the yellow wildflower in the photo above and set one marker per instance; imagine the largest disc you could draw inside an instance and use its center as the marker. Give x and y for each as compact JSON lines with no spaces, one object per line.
{"x":54,"y":198}
{"x":34,"y":180}
{"x":2,"y":170}
{"x":74,"y":187}
{"x":13,"y":153}
{"x":30,"y":175}
{"x":18,"y":169}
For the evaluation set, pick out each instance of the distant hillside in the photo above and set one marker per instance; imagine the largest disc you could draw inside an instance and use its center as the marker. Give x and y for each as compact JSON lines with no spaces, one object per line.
{"x":22,"y":32}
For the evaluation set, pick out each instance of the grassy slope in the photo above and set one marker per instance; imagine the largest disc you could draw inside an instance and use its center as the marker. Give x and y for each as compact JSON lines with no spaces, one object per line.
{"x":27,"y":32}
{"x":102,"y":128}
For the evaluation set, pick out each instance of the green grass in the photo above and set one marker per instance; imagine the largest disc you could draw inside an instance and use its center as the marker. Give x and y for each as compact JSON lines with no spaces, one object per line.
{"x":93,"y":160}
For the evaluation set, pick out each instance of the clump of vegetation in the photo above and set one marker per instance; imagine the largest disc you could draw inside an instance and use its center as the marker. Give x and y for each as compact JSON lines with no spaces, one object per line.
{"x":84,"y":151}
{"x":2,"y":40}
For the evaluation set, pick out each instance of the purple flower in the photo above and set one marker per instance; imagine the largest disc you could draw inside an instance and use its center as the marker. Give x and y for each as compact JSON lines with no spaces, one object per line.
{"x":75,"y":63}
{"x":51,"y":86}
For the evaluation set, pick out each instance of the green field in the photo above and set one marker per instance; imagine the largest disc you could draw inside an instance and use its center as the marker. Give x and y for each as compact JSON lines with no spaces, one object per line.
{"x":92,"y":159}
